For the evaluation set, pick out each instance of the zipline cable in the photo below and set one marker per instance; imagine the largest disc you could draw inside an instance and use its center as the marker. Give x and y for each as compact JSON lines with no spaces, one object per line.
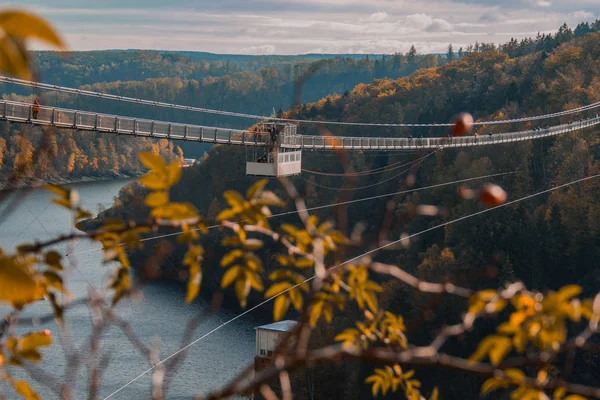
{"x":63,"y":89}
{"x":367,"y":253}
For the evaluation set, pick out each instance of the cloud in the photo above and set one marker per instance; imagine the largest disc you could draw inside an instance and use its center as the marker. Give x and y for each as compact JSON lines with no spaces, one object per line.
{"x":376,"y":17}
{"x":300,"y":26}
{"x":428,"y":23}
{"x":265,"y":49}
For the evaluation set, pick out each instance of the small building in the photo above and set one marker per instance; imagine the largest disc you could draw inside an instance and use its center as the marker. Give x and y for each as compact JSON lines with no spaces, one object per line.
{"x":269,"y":336}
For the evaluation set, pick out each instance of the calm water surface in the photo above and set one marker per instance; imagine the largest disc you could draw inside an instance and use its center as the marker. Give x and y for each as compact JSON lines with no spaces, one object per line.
{"x":161,"y":313}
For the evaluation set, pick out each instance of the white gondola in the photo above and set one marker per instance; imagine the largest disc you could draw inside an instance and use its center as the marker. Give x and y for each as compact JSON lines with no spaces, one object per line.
{"x":275,"y":160}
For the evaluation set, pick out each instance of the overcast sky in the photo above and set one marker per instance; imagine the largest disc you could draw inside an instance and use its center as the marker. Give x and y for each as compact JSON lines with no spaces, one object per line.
{"x":304,"y":26}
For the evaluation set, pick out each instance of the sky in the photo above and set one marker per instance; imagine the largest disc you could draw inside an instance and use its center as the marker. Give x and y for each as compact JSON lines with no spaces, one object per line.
{"x":303,"y":26}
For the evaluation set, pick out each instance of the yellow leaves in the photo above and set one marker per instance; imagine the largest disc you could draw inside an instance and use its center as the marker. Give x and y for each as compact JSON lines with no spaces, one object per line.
{"x":362,"y":290}
{"x":18,"y":284}
{"x":392,"y":329}
{"x":176,"y":214}
{"x":246,"y":272}
{"x":34,"y":340}
{"x":495,"y":347}
{"x":193,"y":259}
{"x":281,"y":306}
{"x":157,"y":199}
{"x":161,"y":176}
{"x":19,"y":26}
{"x":23,"y":388}
{"x":486,"y":300}
{"x":254,"y":209}
{"x":277,"y":289}
{"x":388,"y":378}
{"x":152,"y":161}
{"x":348,"y":337}
{"x":231,"y":257}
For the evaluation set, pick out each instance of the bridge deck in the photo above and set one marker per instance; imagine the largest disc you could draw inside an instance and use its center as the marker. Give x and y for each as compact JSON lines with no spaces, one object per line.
{"x":114,"y":124}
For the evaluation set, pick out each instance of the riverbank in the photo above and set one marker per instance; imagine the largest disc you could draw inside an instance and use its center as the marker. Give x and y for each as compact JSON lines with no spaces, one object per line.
{"x":97,"y":177}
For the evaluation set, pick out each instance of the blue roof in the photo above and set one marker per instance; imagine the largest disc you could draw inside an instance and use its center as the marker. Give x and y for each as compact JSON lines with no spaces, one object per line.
{"x":281,"y":326}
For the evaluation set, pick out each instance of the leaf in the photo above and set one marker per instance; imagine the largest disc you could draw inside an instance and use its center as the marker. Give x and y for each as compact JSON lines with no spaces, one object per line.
{"x":494,"y":346}
{"x":157,"y":199}
{"x":338,"y":237}
{"x":500,"y":350}
{"x":152,"y":161}
{"x":34,"y":340}
{"x":493,"y":384}
{"x":226,"y":215}
{"x":23,"y":388}
{"x":154,"y":180}
{"x":269,"y":199}
{"x":173,"y":173}
{"x":58,"y":190}
{"x":23,"y":25}
{"x":282,"y":303}
{"x":435,"y":394}
{"x":568,"y":292}
{"x":277,"y":288}
{"x":54,"y":280}
{"x":256,"y":188}
{"x":242,"y":288}
{"x":13,"y":58}
{"x":231,"y":257}
{"x":52,"y":258}
{"x":234,"y":199}
{"x":296,"y":298}
{"x":17,"y":283}
{"x":193,"y":285}
{"x":230,"y":276}
{"x":255,"y":281}
{"x":253,"y":244}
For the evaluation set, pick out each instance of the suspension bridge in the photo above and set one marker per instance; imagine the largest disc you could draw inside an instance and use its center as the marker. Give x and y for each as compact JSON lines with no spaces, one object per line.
{"x":283,"y":145}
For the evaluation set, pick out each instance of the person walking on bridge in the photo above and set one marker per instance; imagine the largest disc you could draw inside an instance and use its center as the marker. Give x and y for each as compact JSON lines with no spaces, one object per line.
{"x":35,"y":109}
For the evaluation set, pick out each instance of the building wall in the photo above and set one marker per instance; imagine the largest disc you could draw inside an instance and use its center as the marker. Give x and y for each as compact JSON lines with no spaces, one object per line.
{"x":266,"y":342}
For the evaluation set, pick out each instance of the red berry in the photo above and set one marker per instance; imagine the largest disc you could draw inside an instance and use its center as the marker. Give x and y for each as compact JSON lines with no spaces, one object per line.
{"x":492,"y":195}
{"x":462,"y":124}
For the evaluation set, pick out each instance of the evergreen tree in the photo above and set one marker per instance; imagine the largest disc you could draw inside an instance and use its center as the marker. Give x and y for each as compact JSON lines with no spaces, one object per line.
{"x":450,"y":53}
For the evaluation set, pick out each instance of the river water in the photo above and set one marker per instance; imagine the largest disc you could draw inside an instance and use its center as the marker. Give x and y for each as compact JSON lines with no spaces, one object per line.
{"x":161,"y":313}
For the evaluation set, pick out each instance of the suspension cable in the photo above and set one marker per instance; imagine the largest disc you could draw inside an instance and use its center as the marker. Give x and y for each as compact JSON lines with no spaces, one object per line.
{"x":379,"y":170}
{"x":39,"y":85}
{"x":365,"y":254}
{"x":343,"y":189}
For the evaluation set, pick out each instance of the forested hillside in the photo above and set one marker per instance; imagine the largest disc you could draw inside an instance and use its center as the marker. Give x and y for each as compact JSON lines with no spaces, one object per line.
{"x":546,"y":242}
{"x":34,"y":154}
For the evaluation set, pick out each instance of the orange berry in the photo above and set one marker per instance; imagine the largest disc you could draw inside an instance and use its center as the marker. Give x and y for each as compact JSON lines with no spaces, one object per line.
{"x":462,"y":124}
{"x":492,"y":195}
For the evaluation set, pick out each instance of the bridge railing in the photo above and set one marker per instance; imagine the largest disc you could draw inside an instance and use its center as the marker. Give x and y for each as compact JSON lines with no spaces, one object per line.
{"x":83,"y":120}
{"x":374,"y":143}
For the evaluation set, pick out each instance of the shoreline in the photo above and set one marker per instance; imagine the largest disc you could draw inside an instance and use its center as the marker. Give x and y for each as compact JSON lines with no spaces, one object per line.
{"x":29,"y":183}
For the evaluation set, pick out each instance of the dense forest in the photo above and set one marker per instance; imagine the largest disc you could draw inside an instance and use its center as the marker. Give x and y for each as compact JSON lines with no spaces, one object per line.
{"x":546,"y":242}
{"x":31,"y":154}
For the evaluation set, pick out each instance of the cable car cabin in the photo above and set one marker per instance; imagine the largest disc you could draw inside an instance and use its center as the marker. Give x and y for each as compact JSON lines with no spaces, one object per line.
{"x":274,"y":160}
{"x":281,"y":163}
